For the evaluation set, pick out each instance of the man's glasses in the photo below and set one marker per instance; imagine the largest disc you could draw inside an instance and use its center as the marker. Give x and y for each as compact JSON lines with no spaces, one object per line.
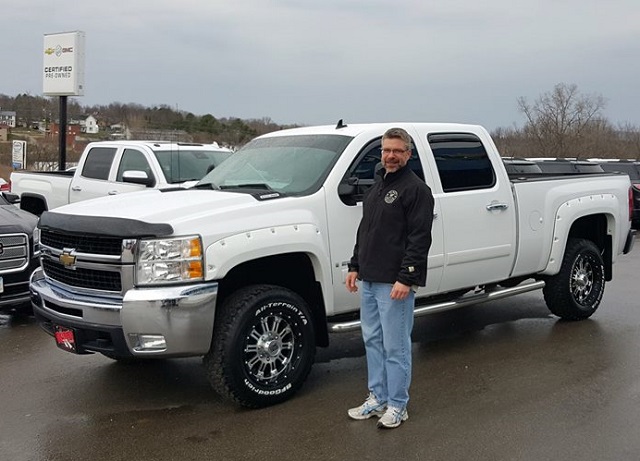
{"x":393,"y":151}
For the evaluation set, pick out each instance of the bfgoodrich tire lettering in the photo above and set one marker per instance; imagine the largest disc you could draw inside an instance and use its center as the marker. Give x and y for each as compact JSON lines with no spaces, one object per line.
{"x":575,"y":292}
{"x":263,"y":346}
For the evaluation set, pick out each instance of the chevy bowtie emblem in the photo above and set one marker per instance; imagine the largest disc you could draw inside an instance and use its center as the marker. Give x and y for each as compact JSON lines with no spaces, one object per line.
{"x":67,"y":259}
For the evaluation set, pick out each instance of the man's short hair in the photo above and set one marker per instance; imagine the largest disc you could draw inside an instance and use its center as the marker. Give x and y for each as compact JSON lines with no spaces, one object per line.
{"x":399,"y":133}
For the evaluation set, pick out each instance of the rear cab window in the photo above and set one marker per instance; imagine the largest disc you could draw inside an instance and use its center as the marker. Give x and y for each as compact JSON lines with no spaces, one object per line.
{"x":462,"y":162}
{"x":98,"y":163}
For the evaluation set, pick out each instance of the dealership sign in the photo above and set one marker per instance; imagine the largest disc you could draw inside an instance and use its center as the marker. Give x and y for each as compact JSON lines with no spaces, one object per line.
{"x":19,"y":155}
{"x":63,"y":64}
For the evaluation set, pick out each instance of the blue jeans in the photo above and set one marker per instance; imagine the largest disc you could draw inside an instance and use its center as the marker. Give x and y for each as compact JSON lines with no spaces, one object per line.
{"x":386,"y":330}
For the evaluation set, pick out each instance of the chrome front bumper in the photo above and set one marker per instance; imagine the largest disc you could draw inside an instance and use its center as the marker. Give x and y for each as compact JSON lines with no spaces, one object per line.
{"x":181,"y":315}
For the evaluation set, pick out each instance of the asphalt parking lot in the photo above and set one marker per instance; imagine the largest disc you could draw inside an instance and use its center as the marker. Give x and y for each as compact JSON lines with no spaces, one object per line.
{"x":500,"y":381}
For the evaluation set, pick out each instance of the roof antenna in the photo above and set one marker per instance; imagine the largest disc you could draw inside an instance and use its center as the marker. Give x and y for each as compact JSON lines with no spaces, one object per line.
{"x":340,"y":124}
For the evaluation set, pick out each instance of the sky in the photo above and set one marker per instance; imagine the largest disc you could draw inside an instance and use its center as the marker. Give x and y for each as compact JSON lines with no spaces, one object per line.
{"x":313,"y":62}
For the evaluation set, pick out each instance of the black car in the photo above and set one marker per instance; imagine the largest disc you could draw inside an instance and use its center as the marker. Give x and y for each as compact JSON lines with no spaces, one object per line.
{"x":632,"y":169}
{"x":562,"y":166}
{"x":17,"y":256}
{"x":520,"y":167}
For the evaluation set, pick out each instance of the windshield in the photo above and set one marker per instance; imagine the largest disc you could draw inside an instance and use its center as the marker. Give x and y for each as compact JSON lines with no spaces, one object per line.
{"x":291,"y":165}
{"x":189,"y":165}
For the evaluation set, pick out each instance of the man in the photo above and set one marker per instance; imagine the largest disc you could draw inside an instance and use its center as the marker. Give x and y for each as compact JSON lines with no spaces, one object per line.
{"x":390,"y":258}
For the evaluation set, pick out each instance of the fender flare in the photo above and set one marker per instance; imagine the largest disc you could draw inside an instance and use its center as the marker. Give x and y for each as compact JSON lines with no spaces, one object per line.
{"x":568,"y":213}
{"x":223,"y":255}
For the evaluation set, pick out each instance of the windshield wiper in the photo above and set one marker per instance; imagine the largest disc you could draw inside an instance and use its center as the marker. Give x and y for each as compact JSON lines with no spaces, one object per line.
{"x":258,"y":185}
{"x":206,"y":185}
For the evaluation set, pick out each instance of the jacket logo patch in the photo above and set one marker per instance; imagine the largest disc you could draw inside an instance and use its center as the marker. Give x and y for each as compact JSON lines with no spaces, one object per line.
{"x":391,"y":196}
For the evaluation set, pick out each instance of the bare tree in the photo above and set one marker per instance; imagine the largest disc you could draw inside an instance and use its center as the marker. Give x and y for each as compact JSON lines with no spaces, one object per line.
{"x":559,"y":122}
{"x":629,"y":136}
{"x":43,"y":155}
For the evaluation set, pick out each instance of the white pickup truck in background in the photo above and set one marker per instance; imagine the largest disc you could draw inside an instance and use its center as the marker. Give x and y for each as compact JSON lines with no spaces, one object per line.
{"x":117,"y":167}
{"x":247,"y":268}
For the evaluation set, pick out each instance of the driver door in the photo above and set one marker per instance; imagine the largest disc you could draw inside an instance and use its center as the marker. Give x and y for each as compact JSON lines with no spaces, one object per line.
{"x":345,"y":212}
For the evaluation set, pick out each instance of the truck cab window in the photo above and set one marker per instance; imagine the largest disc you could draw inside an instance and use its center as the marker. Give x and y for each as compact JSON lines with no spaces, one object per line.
{"x":462,"y":162}
{"x":98,"y":163}
{"x":362,"y":172}
{"x":133,"y":160}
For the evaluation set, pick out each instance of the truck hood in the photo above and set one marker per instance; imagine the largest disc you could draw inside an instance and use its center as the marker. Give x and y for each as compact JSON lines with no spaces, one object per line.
{"x":213,"y":214}
{"x":160,"y":206}
{"x":15,"y":220}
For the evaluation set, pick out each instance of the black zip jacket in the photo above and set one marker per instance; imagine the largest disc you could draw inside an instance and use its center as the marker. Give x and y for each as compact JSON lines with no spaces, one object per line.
{"x":394,"y":235}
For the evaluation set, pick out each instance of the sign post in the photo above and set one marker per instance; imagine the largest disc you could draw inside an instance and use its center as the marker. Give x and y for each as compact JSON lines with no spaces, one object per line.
{"x":63,"y":75}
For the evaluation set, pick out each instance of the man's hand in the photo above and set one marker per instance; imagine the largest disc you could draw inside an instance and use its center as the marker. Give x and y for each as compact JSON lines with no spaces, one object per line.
{"x":351,"y":281}
{"x":400,"y":291}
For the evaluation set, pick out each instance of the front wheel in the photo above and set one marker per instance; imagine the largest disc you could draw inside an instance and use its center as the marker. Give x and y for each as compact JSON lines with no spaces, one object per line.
{"x":575,"y":292}
{"x":263,"y":346}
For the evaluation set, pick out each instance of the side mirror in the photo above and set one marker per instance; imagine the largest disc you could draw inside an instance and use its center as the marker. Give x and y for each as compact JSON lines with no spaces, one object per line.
{"x":11,"y":198}
{"x":138,"y":177}
{"x":347,"y":187}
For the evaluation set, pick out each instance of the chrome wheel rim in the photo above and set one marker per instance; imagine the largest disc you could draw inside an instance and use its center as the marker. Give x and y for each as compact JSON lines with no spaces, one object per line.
{"x":582,"y":279}
{"x":269,"y":348}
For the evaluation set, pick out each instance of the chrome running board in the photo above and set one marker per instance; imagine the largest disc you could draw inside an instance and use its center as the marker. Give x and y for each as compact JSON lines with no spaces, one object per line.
{"x":465,"y":300}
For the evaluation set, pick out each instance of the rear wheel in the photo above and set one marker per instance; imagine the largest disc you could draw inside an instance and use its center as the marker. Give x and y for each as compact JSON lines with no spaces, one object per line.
{"x":575,"y":292}
{"x":263,"y":346}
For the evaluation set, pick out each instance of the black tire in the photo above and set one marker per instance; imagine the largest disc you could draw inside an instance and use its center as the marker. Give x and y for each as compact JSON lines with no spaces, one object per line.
{"x":575,"y":292}
{"x":263,"y":346}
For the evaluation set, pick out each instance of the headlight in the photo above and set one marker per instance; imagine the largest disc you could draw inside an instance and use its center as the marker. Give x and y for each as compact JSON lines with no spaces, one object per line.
{"x":36,"y":241}
{"x":176,"y":260}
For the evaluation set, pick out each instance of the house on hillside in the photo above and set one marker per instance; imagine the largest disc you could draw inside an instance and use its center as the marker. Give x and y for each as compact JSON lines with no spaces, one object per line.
{"x":89,"y":125}
{"x":8,"y":118}
{"x":73,"y":131}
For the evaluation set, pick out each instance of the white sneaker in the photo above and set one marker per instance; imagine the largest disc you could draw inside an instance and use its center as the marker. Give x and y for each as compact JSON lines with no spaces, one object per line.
{"x":370,"y":407}
{"x":393,"y":417}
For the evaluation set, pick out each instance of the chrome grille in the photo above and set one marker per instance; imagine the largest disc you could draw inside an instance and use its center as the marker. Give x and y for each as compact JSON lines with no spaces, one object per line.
{"x":82,"y":243}
{"x":14,"y":251}
{"x":83,"y":278}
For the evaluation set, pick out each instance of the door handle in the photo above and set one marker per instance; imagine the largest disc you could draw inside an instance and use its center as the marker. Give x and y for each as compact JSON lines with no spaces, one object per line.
{"x":76,"y":188}
{"x":112,"y":192}
{"x":497,"y":206}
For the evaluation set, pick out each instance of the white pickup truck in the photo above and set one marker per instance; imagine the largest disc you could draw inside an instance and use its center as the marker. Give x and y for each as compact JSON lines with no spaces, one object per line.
{"x":116,"y":167}
{"x":247,"y":268}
